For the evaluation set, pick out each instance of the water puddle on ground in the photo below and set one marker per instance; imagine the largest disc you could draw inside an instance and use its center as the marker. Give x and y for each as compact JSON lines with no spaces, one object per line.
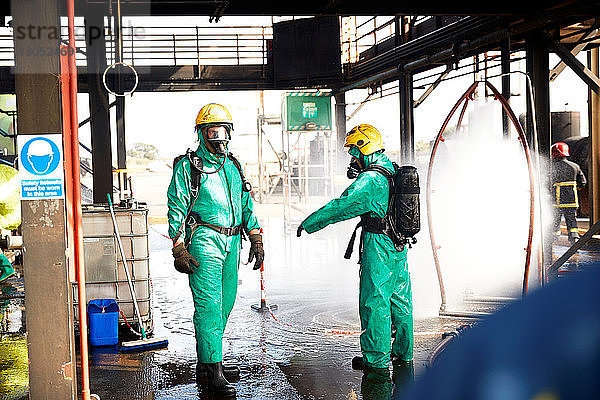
{"x":14,"y":380}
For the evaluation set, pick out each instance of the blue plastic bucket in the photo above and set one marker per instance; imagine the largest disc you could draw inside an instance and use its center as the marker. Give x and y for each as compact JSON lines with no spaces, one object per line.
{"x":103,"y":320}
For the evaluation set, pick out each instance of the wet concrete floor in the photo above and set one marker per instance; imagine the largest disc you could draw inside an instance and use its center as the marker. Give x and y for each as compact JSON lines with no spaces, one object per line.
{"x":296,"y":353}
{"x":297,"y":356}
{"x":14,"y":379}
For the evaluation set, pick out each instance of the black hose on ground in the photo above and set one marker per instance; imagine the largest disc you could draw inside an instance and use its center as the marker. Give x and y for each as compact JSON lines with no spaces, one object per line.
{"x":447,"y":338}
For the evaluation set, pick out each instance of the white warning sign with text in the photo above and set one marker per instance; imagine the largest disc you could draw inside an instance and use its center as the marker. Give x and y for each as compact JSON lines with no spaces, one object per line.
{"x":41,"y":166}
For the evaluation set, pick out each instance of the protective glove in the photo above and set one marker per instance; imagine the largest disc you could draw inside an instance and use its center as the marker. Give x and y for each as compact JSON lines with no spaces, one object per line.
{"x":299,"y":231}
{"x":256,"y":250}
{"x":184,"y":260}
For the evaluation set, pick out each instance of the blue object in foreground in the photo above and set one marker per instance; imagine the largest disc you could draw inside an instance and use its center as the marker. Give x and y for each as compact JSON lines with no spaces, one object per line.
{"x":103,"y":318}
{"x":546,"y":346}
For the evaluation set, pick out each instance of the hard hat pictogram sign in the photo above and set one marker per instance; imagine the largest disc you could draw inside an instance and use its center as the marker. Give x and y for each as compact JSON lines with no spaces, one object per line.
{"x":39,"y":160}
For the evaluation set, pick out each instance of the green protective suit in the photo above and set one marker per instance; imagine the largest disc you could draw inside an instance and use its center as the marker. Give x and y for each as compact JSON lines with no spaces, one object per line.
{"x":221,"y":201}
{"x":10,"y":210}
{"x":6,"y":269}
{"x":385,"y":292}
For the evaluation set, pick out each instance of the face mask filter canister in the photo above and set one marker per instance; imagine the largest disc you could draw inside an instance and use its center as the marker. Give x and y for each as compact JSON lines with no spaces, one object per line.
{"x":354,"y":169}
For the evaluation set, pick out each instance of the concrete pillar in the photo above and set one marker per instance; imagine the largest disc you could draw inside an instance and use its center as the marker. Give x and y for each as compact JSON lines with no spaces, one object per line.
{"x":407,"y":134}
{"x":48,"y":302}
{"x":99,"y":104}
{"x":594,"y":146}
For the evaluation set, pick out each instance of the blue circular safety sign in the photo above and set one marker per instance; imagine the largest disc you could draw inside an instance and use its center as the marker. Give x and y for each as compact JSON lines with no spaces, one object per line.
{"x":40,"y":156}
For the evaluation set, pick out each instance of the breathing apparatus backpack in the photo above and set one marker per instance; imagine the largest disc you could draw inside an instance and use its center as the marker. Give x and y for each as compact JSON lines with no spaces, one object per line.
{"x":194,"y":221}
{"x":402,"y":220}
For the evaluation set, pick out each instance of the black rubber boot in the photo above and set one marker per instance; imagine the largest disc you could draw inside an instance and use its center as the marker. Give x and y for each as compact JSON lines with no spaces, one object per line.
{"x":403,"y":371}
{"x":211,"y":376}
{"x":401,"y":363}
{"x":231,"y":372}
{"x":358,"y":363}
{"x":573,"y":237}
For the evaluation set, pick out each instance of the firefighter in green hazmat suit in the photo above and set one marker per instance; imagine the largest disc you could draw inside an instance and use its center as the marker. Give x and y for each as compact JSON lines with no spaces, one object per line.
{"x":10,"y":211}
{"x":385,"y":292}
{"x":217,"y":207}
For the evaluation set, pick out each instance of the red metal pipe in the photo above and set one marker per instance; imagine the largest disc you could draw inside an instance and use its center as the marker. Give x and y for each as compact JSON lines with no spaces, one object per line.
{"x":434,"y":246}
{"x":525,"y":146}
{"x":465,"y":97}
{"x":68,"y":162}
{"x":77,"y":214}
{"x":462,"y":113}
{"x":263,"y":298}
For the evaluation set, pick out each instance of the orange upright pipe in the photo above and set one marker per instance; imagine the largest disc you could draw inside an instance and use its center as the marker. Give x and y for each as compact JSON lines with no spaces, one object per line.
{"x":68,"y":161}
{"x":77,"y":214}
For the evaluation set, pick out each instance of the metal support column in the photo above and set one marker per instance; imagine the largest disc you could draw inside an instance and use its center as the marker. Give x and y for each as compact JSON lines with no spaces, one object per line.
{"x":397,"y":31}
{"x":594,"y":146}
{"x":120,"y":107}
{"x":99,"y":104}
{"x":407,"y":134}
{"x":121,"y":148}
{"x":48,"y":296}
{"x":340,"y":127}
{"x":537,"y":68}
{"x":261,"y":169}
{"x":505,"y":68}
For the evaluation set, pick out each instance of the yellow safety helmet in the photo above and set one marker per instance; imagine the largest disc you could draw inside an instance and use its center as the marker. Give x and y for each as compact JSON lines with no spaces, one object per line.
{"x":366,"y":137}
{"x":213,"y":113}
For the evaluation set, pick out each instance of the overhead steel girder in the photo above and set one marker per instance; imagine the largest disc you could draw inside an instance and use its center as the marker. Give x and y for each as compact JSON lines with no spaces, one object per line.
{"x":572,"y":62}
{"x":217,"y":8}
{"x":449,"y":54}
{"x":432,"y":87}
{"x":361,"y":105}
{"x":555,"y":72}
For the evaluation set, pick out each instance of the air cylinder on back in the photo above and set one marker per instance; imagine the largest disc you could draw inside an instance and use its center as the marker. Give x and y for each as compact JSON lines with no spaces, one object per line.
{"x":407,"y":207}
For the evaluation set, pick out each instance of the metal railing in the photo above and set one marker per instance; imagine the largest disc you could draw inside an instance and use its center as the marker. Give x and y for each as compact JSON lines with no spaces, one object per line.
{"x":361,"y":33}
{"x":171,"y":45}
{"x":6,"y":47}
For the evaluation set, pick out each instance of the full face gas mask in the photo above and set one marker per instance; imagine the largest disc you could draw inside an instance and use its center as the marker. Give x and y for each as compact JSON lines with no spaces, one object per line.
{"x":217,"y":137}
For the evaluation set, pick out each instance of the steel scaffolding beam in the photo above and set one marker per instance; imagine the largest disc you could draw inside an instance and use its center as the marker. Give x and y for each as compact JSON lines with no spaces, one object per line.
{"x":537,"y":68}
{"x":99,"y":105}
{"x":505,"y":69}
{"x":407,"y":134}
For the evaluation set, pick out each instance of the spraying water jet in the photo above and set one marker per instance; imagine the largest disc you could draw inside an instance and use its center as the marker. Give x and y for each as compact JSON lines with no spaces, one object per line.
{"x":468,"y":96}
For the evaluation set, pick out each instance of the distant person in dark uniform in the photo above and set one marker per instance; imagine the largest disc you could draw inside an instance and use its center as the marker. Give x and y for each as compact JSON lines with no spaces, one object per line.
{"x":567,"y":178}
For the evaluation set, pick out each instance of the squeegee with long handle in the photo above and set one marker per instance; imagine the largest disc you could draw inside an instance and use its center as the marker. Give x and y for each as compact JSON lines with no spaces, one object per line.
{"x":124,"y":261}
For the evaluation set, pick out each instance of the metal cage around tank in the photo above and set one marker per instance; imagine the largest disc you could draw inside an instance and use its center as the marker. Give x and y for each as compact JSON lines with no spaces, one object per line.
{"x":105,"y":276}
